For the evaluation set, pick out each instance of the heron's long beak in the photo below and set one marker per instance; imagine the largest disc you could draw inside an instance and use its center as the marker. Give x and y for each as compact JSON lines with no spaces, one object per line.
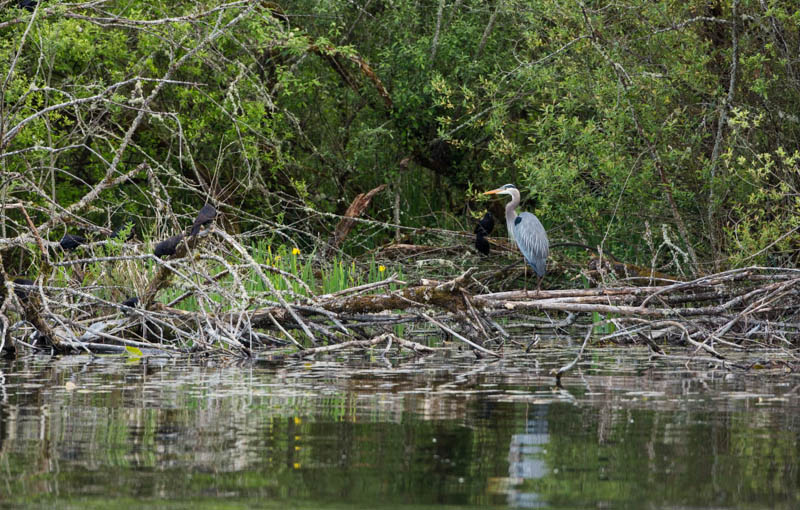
{"x":494,"y":191}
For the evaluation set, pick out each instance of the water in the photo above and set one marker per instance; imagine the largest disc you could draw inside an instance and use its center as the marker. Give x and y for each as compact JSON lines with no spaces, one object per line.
{"x":444,"y":431}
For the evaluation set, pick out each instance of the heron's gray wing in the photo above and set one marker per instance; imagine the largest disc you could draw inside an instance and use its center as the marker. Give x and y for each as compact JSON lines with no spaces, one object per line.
{"x":532,"y":241}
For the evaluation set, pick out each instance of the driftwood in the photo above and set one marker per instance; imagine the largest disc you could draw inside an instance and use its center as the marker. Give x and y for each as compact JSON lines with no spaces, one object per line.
{"x":748,"y":305}
{"x":737,"y":309}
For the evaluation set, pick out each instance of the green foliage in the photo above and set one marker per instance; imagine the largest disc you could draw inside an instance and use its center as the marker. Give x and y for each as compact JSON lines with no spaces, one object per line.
{"x":765,"y":228}
{"x":289,"y":271}
{"x":601,"y":115}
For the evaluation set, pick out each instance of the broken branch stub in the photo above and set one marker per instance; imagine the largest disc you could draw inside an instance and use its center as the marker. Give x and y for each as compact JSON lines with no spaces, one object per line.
{"x":356,"y":209}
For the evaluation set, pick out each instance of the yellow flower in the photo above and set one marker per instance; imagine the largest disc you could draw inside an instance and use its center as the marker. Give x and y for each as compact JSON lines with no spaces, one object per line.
{"x":277,"y":258}
{"x":381,"y":268}
{"x":295,"y":251}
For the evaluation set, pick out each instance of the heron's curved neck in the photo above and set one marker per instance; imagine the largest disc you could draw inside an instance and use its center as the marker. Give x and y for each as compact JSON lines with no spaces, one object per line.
{"x":511,"y":211}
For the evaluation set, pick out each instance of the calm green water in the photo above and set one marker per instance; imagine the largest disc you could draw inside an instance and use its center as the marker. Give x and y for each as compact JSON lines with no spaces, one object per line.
{"x":441,"y":431}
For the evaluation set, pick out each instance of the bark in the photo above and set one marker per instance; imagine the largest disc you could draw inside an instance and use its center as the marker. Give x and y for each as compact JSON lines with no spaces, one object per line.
{"x":713,"y":231}
{"x":357,"y":207}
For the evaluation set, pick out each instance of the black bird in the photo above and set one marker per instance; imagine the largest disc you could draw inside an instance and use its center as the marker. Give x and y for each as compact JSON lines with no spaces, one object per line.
{"x":70,"y":241}
{"x":168,"y":246}
{"x":204,"y":217}
{"x":28,"y":5}
{"x":482,"y":244}
{"x":133,"y":302}
{"x":485,"y":225}
{"x":117,"y":231}
{"x":482,"y":230}
{"x":22,"y":292}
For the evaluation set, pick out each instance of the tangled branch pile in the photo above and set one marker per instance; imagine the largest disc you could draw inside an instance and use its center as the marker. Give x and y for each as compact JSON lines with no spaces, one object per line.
{"x":739,"y":309}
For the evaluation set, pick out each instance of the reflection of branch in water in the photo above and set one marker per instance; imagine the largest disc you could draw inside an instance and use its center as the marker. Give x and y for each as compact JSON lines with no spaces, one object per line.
{"x":565,"y":394}
{"x":561,"y":371}
{"x":463,"y":378}
{"x":460,"y":337}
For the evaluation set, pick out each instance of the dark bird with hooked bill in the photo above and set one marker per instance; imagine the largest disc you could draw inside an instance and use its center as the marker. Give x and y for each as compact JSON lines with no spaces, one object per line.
{"x":71,"y":241}
{"x":204,"y":217}
{"x":482,"y":231}
{"x":168,"y":246}
{"x":485,"y":225}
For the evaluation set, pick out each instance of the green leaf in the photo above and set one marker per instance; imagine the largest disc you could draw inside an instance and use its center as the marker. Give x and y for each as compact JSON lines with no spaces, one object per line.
{"x":133,"y":351}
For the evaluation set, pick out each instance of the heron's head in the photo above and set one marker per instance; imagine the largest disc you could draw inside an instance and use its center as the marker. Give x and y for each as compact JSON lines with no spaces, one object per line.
{"x":505,"y":189}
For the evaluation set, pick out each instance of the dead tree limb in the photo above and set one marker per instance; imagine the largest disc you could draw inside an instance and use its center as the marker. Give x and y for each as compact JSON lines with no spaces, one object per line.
{"x":357,"y":207}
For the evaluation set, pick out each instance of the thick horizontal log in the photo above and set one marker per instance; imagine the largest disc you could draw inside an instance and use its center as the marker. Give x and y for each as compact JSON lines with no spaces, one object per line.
{"x":410,"y":297}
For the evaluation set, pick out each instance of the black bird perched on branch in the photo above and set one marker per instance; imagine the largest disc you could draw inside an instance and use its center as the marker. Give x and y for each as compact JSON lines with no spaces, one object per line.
{"x":20,"y":290}
{"x":482,"y":230}
{"x":28,"y":5}
{"x":71,"y":241}
{"x":485,"y":225}
{"x":204,"y":217}
{"x":482,"y":244}
{"x":168,"y":246}
{"x":131,"y":302}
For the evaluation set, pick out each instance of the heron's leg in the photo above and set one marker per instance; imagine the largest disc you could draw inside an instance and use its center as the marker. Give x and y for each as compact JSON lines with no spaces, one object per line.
{"x":539,"y":284}
{"x":525,"y":277}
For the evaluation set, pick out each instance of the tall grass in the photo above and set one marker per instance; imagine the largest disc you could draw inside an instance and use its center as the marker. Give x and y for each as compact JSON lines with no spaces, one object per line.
{"x":328,"y":277}
{"x":288,"y":269}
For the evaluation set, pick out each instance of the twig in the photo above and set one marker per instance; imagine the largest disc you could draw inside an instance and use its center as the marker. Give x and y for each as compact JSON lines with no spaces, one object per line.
{"x":363,"y":288}
{"x":460,"y":337}
{"x":365,"y":343}
{"x":561,"y":371}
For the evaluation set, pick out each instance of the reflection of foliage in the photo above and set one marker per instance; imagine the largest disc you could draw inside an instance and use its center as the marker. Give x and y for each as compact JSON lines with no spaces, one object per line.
{"x":311,"y":434}
{"x":642,"y":458}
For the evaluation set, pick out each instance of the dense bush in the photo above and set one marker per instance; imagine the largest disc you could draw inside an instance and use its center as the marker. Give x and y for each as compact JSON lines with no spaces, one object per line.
{"x":628,"y":124}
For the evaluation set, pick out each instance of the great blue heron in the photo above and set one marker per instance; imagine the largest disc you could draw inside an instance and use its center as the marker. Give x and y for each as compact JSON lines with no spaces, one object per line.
{"x":527,"y":231}
{"x":168,"y":246}
{"x":204,"y":217}
{"x":482,"y":230}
